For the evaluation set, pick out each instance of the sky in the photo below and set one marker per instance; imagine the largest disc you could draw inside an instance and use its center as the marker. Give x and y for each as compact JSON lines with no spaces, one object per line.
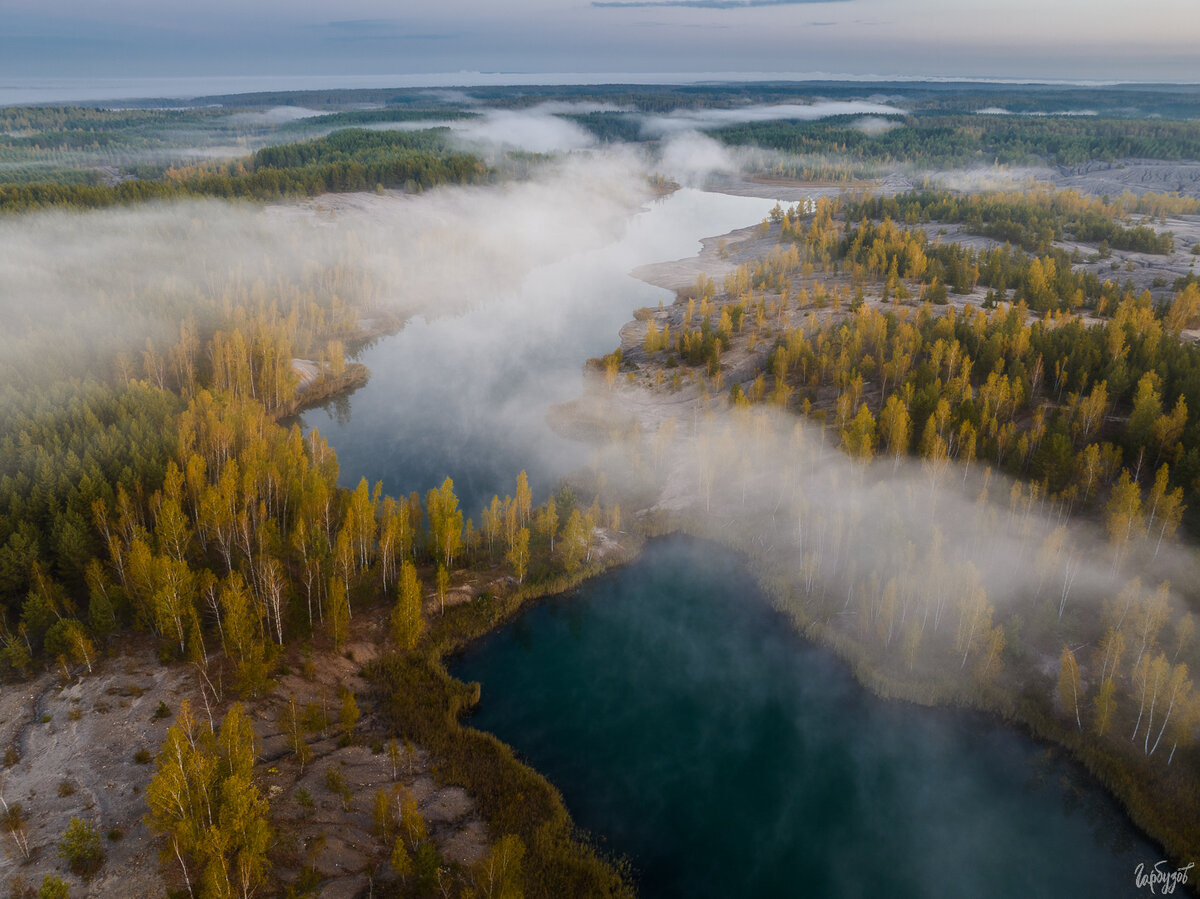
{"x":1084,"y":40}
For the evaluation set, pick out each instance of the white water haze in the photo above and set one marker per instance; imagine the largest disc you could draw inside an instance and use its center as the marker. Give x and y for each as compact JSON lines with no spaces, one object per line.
{"x":502,"y":273}
{"x":706,"y":119}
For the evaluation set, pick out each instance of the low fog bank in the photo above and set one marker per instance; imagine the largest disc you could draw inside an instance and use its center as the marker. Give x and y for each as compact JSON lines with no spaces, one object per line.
{"x":72,"y":282}
{"x":939,"y":536}
{"x":680,"y":147}
{"x":707,"y":119}
{"x":467,"y":395}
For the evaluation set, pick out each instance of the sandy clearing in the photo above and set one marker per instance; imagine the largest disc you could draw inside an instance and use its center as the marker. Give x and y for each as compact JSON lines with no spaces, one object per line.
{"x":80,"y":740}
{"x":84,"y":733}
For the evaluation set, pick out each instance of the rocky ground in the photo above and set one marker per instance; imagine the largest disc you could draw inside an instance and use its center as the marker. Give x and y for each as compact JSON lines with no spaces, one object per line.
{"x":83,"y":746}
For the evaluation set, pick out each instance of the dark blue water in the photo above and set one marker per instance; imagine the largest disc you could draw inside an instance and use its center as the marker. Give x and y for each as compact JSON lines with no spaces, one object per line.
{"x":694,"y":732}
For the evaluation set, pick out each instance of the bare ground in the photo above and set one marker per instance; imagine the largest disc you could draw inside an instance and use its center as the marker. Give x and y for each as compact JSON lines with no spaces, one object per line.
{"x":75,"y":744}
{"x":329,"y":831}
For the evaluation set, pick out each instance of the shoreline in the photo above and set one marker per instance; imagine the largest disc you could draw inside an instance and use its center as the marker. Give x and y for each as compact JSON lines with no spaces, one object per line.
{"x":1145,"y":807}
{"x":678,"y":275}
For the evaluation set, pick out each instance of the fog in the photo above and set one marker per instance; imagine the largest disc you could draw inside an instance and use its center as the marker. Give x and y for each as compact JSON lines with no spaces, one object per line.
{"x":693,"y":158}
{"x":782,"y":489}
{"x":514,"y":286}
{"x":480,"y":383}
{"x":999,"y":110}
{"x":76,"y":287}
{"x":873,"y":125}
{"x":276,"y":115}
{"x":685,"y":151}
{"x":507,"y":289}
{"x":706,"y":119}
{"x":536,"y":130}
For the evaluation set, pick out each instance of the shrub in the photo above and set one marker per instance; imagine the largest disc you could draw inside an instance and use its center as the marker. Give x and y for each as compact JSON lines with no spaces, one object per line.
{"x":80,"y":846}
{"x":53,"y":888}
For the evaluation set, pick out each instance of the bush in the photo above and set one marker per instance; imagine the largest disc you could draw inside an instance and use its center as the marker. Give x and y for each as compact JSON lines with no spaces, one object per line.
{"x":53,"y":888}
{"x":14,"y":817}
{"x":335,"y":782}
{"x":80,"y":846}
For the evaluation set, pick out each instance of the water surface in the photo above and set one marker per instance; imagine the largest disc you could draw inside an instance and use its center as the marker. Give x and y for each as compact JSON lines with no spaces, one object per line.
{"x":694,"y":732}
{"x":466,"y":396}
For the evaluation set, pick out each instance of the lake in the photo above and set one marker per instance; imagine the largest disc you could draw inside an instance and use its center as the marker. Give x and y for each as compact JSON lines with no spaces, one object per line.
{"x":466,"y":396}
{"x":688,"y":726}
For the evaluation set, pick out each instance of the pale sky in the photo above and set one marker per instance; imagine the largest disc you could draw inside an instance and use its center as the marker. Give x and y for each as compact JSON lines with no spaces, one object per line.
{"x":1049,"y":39}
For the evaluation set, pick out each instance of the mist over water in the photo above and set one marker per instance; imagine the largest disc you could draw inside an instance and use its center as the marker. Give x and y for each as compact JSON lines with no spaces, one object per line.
{"x":696,"y":733}
{"x":682,"y":703}
{"x":686,"y":725}
{"x":466,"y":395}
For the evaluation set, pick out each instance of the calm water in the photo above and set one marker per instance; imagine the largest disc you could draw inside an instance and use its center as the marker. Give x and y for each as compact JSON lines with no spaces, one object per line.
{"x":466,"y":396}
{"x":690,"y":729}
{"x":684,"y":725}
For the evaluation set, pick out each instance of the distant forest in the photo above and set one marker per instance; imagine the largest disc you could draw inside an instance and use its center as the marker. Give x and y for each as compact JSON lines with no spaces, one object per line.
{"x":349,"y":160}
{"x":88,"y":156}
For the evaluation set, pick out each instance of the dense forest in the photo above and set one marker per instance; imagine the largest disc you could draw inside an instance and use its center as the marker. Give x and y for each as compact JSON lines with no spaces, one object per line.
{"x":168,"y":499}
{"x":937,"y":141}
{"x":1134,"y":363}
{"x":934,"y":126}
{"x":1034,"y":219}
{"x":347,"y":160}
